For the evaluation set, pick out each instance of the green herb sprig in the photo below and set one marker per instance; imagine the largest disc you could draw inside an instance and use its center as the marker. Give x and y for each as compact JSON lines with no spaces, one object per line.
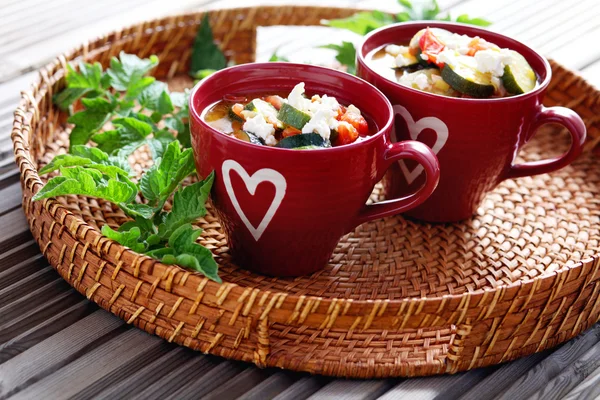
{"x":138,"y":110}
{"x":367,"y":21}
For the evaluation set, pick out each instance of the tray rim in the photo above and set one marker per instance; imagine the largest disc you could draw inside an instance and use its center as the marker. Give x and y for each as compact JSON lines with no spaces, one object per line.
{"x":101,"y":246}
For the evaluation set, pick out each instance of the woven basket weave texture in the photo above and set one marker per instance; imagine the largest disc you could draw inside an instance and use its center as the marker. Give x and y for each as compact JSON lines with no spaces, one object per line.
{"x":398,"y":298}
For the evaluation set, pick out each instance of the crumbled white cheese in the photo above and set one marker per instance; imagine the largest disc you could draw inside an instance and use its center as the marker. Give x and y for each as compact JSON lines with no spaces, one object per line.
{"x":421,"y":81}
{"x":448,"y":56}
{"x":267,"y":110}
{"x":492,"y":60}
{"x":415,"y":80}
{"x":261,"y":128}
{"x":351,"y":109}
{"x":394,"y":49}
{"x":402,"y":61}
{"x":319,"y":123}
{"x":296,"y":98}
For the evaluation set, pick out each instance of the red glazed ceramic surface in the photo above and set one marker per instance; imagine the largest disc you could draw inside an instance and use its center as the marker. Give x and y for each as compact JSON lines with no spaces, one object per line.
{"x":476,"y":140}
{"x":285,"y":210}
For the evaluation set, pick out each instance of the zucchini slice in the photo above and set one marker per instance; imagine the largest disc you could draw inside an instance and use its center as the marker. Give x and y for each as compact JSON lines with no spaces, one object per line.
{"x":464,"y":78}
{"x":247,"y":137}
{"x":250,"y":106}
{"x":292,"y":116}
{"x":303,"y":140}
{"x":518,"y":76}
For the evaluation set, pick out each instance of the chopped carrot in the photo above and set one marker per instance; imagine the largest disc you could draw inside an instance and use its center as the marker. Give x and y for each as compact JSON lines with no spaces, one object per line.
{"x":275,"y":101}
{"x":237,"y":108}
{"x":290,"y":131}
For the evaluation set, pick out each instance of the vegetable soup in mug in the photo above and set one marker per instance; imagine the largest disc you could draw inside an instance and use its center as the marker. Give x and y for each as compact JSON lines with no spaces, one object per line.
{"x":445,"y":63}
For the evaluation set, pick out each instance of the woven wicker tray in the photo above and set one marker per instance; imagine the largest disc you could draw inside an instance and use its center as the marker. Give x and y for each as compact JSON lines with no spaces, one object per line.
{"x":399,"y":298}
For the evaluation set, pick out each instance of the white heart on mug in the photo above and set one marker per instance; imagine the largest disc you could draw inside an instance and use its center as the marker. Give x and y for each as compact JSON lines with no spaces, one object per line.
{"x":414,"y":130}
{"x":251,"y":182}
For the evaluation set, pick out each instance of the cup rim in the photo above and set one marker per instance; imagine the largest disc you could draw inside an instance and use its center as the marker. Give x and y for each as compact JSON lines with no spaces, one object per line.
{"x":360,"y":57}
{"x":241,"y":68}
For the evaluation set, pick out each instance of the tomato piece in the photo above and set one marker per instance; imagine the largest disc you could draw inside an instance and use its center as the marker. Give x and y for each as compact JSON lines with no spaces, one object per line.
{"x":346,"y":134}
{"x":357,"y":121}
{"x":431,"y":46}
{"x":290,"y":131}
{"x":275,"y":101}
{"x":232,"y":98}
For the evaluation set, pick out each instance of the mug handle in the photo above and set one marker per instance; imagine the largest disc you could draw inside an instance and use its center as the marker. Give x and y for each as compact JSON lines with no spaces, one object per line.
{"x":412,"y":150}
{"x":565,"y":117}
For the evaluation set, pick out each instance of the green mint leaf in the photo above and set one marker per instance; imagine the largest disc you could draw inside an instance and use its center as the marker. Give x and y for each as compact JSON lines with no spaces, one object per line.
{"x":159,"y":182}
{"x":190,"y":254}
{"x":162,"y":254}
{"x":404,"y":17}
{"x":464,"y":18}
{"x":130,"y":238}
{"x":362,"y":22}
{"x":137,"y":210}
{"x":88,"y":182}
{"x":346,"y":55}
{"x":180,"y":99}
{"x":189,"y":204}
{"x":205,"y":53}
{"x":86,"y":81}
{"x":91,"y":120}
{"x":129,"y":135}
{"x":165,"y":105}
{"x":136,"y":88}
{"x":90,"y":157}
{"x":68,"y":96}
{"x":128,"y":70}
{"x":406,"y":4}
{"x":431,"y":12}
{"x":276,"y":57}
{"x":203,"y":73}
{"x":182,"y":128}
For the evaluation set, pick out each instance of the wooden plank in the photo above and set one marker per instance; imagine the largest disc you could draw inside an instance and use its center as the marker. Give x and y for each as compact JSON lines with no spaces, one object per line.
{"x":18,"y":254}
{"x":17,"y":232}
{"x":350,"y":389}
{"x":28,"y":285}
{"x":445,"y":387}
{"x":43,"y":358}
{"x":21,"y":270}
{"x":10,"y":198}
{"x":144,"y":356}
{"x":571,"y":376}
{"x":541,"y":374}
{"x":239,"y":384}
{"x":495,"y":383}
{"x":157,"y":373}
{"x":87,"y":369}
{"x":186,"y":367}
{"x":34,"y":315}
{"x":272,"y":386}
{"x":22,"y":305}
{"x":49,"y":326}
{"x":588,"y":389}
{"x":303,"y":388}
{"x":205,"y":383}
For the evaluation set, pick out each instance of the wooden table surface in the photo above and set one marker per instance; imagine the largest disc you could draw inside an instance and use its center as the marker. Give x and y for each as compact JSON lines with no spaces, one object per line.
{"x":55,"y":344}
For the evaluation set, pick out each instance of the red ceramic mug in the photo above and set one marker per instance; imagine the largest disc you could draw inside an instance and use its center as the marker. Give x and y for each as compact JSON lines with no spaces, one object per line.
{"x":476,"y":140}
{"x":285,"y":210}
